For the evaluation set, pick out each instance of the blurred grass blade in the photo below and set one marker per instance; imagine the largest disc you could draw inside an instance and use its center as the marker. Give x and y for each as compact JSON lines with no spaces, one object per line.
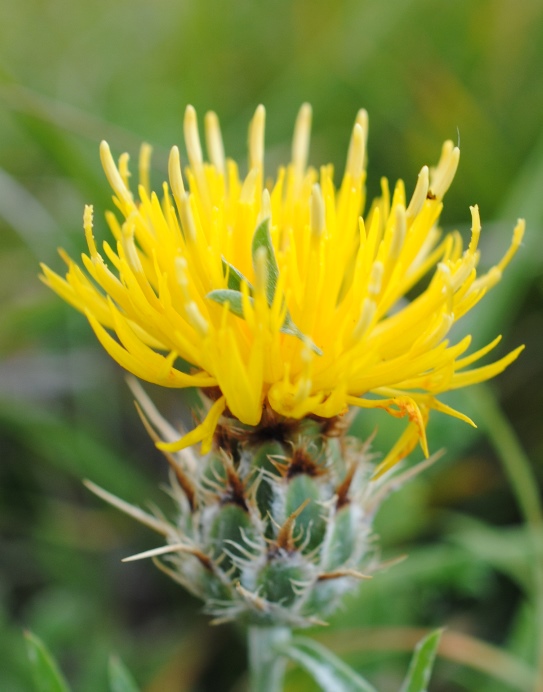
{"x":526,"y":201}
{"x":47,"y":676}
{"x":120,"y":679}
{"x":28,"y":217}
{"x":518,"y":469}
{"x":524,"y":197}
{"x":421,"y":664}
{"x":64,"y":116}
{"x":457,"y":647}
{"x":328,"y":671}
{"x":74,"y":450}
{"x":509,"y":550}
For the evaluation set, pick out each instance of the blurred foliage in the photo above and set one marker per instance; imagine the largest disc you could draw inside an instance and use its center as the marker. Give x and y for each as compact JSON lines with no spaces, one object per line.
{"x":426,"y":70}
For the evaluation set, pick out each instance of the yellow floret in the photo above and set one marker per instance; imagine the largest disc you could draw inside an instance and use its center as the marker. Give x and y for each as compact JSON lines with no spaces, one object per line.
{"x":281,"y":294}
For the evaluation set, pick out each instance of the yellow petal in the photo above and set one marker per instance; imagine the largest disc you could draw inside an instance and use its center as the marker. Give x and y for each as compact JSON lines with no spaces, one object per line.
{"x":202,"y":433}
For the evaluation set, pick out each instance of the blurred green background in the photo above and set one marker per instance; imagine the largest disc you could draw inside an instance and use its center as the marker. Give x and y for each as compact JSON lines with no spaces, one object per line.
{"x":426,"y":70}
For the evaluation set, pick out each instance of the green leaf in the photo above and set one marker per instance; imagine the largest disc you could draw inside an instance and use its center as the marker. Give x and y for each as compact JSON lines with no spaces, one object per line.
{"x":120,"y":679}
{"x":230,"y":296}
{"x":47,"y":676}
{"x":72,"y":449}
{"x":328,"y":671}
{"x":235,"y":277}
{"x":422,"y":663}
{"x":262,"y":239}
{"x":235,"y":302}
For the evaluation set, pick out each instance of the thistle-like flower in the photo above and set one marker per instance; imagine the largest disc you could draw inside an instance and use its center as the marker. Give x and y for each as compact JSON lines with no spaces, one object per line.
{"x":289,"y":307}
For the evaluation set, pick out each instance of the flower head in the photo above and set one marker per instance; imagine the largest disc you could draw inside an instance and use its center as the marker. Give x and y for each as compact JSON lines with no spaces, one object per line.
{"x":280,"y":294}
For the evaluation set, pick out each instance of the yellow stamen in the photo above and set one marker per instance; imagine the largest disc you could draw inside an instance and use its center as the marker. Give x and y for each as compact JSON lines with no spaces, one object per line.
{"x":187,"y":218}
{"x":215,"y":146}
{"x":355,"y":160}
{"x":256,"y":139}
{"x":265,"y":207}
{"x":419,"y":195}
{"x":445,"y":171}
{"x":357,"y":145}
{"x":192,"y":139}
{"x":249,"y":187}
{"x":398,"y":235}
{"x":124,"y":172}
{"x":144,"y":165}
{"x":317,"y":213}
{"x":300,"y":142}
{"x":369,"y":308}
{"x":518,"y":234}
{"x":87,"y":226}
{"x":176,"y":178}
{"x":114,"y":177}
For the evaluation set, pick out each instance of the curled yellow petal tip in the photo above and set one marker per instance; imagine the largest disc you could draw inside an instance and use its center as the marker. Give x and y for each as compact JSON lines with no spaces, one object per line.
{"x":202,"y":433}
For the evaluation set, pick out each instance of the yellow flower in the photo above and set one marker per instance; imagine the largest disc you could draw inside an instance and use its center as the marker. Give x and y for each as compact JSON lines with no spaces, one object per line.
{"x":279,"y":293}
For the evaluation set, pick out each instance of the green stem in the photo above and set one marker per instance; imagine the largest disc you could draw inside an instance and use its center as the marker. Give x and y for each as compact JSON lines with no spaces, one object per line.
{"x":518,"y":468}
{"x":266,"y":667}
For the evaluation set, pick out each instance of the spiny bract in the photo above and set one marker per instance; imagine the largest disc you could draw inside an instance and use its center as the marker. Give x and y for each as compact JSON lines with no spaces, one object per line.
{"x":273,"y":525}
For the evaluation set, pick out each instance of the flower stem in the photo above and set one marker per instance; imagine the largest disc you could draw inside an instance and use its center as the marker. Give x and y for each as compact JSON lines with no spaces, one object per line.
{"x":520,"y":472}
{"x":266,"y":667}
